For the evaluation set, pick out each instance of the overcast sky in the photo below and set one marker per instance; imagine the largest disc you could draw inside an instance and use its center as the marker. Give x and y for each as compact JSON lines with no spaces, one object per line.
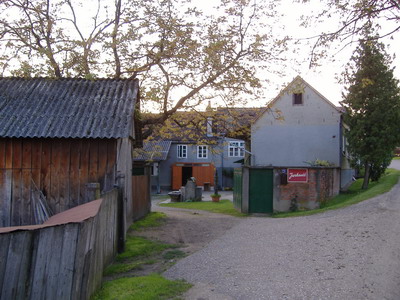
{"x":323,"y":78}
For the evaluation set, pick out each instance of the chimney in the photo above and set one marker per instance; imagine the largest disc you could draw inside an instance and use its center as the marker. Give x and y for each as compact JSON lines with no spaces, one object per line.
{"x":209,"y":127}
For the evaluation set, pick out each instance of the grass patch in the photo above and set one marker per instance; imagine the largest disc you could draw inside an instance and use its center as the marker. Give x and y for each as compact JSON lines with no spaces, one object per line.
{"x":153,"y":219}
{"x":221,"y":207}
{"x":354,"y":195}
{"x":141,"y":288}
{"x":173,"y":254}
{"x":138,"y":253}
{"x":141,"y":247}
{"x":122,"y":268}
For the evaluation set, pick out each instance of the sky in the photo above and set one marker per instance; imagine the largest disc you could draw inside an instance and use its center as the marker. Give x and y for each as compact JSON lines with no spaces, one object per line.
{"x":325,"y":77}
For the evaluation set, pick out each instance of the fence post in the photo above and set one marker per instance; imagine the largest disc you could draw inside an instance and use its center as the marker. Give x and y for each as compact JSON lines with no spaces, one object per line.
{"x":121,"y":213}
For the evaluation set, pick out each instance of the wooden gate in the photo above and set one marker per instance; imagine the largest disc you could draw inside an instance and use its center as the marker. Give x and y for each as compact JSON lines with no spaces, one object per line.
{"x":261,"y":191}
{"x":140,"y":196}
{"x":203,"y":172}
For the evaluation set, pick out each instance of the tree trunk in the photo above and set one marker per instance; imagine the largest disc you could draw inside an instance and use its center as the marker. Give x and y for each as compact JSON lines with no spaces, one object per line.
{"x":366,"y":176}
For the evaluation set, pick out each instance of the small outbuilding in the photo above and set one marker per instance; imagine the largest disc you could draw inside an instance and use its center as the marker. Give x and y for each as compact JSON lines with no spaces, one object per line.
{"x":62,"y":141}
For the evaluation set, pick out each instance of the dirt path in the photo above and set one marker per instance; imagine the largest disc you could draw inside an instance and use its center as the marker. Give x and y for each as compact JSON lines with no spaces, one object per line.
{"x":194,"y":229}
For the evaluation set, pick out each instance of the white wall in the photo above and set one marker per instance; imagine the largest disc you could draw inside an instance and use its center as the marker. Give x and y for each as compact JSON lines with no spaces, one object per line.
{"x":299,"y":133}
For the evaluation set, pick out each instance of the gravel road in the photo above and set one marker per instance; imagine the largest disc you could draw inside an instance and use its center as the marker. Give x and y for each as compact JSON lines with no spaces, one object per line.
{"x":351,"y":253}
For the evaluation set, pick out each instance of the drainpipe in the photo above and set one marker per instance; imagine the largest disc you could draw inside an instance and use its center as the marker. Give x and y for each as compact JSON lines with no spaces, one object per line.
{"x":158,"y":178}
{"x":340,"y":151}
{"x":222,"y":165}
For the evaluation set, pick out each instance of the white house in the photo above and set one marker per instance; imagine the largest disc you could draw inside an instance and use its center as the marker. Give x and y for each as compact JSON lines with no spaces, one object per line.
{"x":300,"y":128}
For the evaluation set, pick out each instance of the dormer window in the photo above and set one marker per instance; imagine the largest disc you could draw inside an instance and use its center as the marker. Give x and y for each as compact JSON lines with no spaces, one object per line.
{"x":298,"y":99}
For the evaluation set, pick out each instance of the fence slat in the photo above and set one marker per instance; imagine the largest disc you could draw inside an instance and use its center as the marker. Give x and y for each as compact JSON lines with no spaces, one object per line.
{"x":68,"y":254}
{"x":4,"y":245}
{"x":17,"y":266}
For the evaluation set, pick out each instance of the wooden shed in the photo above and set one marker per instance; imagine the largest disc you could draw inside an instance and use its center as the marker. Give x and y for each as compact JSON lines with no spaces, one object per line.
{"x":57,"y":137}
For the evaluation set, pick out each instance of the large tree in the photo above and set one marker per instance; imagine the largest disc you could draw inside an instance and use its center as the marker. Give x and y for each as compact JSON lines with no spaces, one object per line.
{"x":372,"y":106}
{"x":352,"y":17}
{"x":181,"y":55}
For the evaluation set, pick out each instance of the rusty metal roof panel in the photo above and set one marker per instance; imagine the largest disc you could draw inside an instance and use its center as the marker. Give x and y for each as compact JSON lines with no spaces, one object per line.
{"x":67,"y":108}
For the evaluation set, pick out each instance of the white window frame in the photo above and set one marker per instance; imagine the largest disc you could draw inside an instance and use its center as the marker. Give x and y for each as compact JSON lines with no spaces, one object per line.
{"x":236,"y":149}
{"x":182,"y":151}
{"x":202,"y":152}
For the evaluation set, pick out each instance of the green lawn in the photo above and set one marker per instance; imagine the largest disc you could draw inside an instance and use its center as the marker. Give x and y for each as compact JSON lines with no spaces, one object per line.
{"x":141,"y":288}
{"x":153,"y":219}
{"x":354,"y":195}
{"x":221,"y":207}
{"x":139,"y":252}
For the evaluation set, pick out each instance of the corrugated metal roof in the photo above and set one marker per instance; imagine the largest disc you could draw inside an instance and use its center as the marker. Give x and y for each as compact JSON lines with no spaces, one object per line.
{"x":67,"y":108}
{"x":153,"y":150}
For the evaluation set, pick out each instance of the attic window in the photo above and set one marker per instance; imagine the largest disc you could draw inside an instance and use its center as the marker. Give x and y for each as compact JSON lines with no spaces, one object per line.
{"x":298,"y":99}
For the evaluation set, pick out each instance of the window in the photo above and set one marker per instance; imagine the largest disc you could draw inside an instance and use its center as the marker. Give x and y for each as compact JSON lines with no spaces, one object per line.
{"x":297,"y":99}
{"x":236,"y":149}
{"x":154,"y":169}
{"x":182,"y":151}
{"x":202,"y":151}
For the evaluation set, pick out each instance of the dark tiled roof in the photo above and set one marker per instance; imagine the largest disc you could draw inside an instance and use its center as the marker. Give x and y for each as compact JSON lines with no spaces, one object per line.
{"x":153,"y":150}
{"x":67,"y":108}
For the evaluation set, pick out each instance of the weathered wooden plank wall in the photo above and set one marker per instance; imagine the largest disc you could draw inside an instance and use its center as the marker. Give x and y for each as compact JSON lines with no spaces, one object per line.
{"x":59,"y":168}
{"x":60,"y":260}
{"x":141,"y":196}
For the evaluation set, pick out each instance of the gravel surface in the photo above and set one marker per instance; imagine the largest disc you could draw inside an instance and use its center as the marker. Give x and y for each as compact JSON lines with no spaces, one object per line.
{"x":351,"y":253}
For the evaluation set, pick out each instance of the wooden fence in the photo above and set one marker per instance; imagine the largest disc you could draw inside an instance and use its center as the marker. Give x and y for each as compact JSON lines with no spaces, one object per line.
{"x":63,"y":258}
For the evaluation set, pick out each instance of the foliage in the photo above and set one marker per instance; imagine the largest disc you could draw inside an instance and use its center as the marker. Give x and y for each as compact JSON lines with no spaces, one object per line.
{"x":191,"y":126}
{"x":353,"y":195}
{"x":221,"y":207}
{"x":141,"y":288}
{"x":372,"y":106}
{"x":355,"y":17}
{"x":320,"y":163}
{"x":153,"y":219}
{"x":182,"y":55}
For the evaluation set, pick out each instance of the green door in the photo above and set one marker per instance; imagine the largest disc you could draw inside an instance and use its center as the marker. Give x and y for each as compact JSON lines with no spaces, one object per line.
{"x":261,"y":191}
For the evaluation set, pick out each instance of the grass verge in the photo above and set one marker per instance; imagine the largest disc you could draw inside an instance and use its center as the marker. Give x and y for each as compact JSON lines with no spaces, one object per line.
{"x":153,"y":219}
{"x":221,"y":207}
{"x":141,"y":288}
{"x":141,"y":247}
{"x":354,"y":195}
{"x":138,"y":253}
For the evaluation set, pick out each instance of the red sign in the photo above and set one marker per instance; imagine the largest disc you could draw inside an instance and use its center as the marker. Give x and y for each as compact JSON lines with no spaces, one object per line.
{"x":297,"y":175}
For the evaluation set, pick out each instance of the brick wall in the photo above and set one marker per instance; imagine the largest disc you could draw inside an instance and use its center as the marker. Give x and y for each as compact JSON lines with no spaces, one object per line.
{"x":323,"y":183}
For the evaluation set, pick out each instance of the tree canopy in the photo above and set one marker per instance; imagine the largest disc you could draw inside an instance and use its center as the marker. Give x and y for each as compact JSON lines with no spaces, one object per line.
{"x":181,"y":54}
{"x":372,"y":107}
{"x":354,"y":17}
